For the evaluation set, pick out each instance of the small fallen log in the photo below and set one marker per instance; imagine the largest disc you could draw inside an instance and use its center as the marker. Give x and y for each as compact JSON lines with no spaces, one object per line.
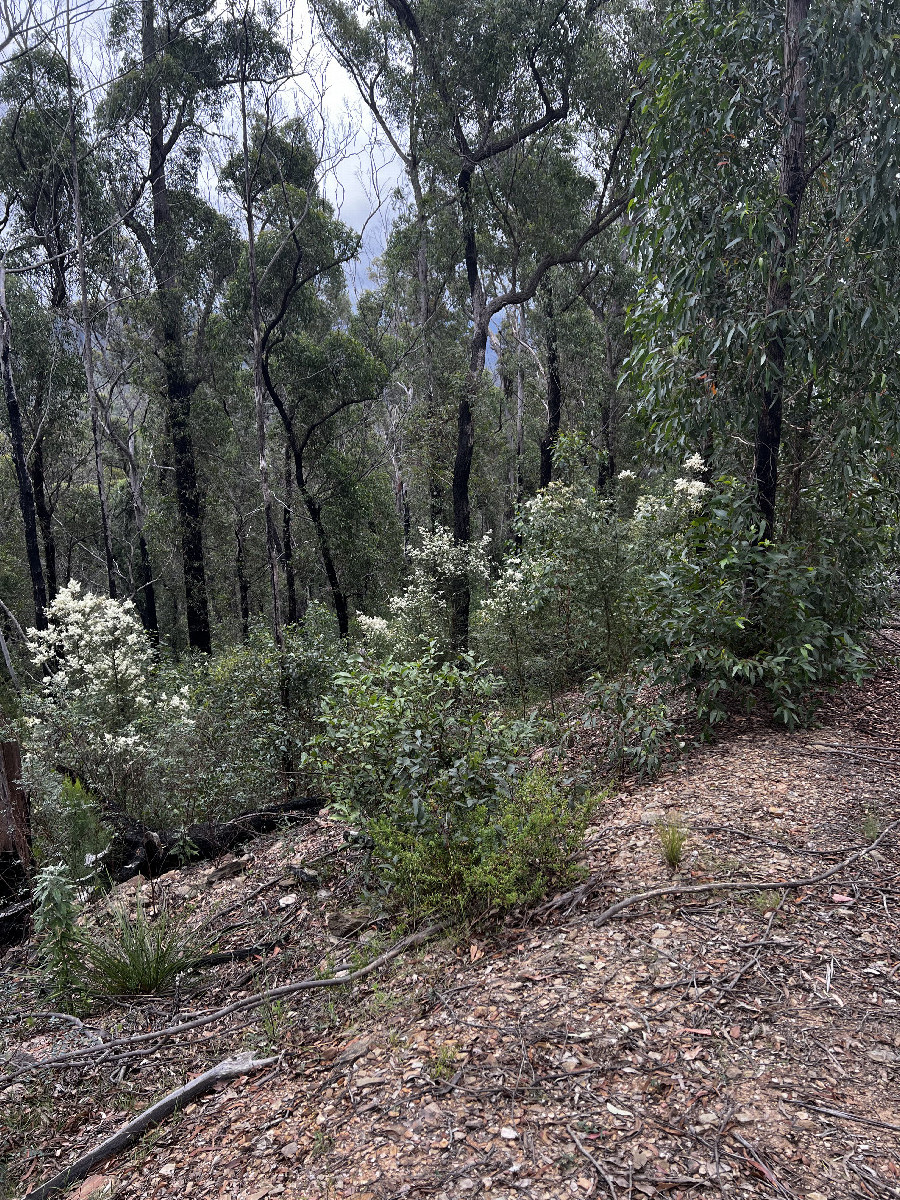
{"x":139,"y":850}
{"x":130,"y":1133}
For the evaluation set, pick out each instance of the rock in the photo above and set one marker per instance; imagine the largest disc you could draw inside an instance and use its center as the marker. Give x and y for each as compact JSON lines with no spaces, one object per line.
{"x":168,"y":1170}
{"x":641,"y":1157}
{"x":881,"y":1054}
{"x":744,"y":1116}
{"x":14,"y":1093}
{"x":343,"y":925}
{"x":708,"y":1118}
{"x":288,"y":900}
{"x":508,"y":1133}
{"x":431,"y":1116}
{"x":290,"y":1150}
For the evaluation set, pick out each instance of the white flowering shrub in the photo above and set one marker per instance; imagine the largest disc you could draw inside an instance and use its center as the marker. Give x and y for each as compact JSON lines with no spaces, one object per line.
{"x":94,"y":652}
{"x":420,"y":614}
{"x":558,"y":607}
{"x":151,"y":741}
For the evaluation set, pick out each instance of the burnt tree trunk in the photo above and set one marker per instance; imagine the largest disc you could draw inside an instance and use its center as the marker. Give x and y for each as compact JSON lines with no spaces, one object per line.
{"x":287,"y":536}
{"x":792,"y":185}
{"x":23,"y":479}
{"x":179,"y":386}
{"x":554,"y":389}
{"x":460,"y":592}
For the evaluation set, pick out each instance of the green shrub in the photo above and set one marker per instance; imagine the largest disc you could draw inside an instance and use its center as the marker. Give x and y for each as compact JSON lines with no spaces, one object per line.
{"x":158,"y":742}
{"x":69,"y":829}
{"x":637,"y":716}
{"x":559,"y":606}
{"x":730,"y":616}
{"x":421,"y":740}
{"x":420,"y":756}
{"x":509,"y":853}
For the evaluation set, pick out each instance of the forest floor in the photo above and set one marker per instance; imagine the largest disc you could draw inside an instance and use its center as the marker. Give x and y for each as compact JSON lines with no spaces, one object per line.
{"x":715,"y":1043}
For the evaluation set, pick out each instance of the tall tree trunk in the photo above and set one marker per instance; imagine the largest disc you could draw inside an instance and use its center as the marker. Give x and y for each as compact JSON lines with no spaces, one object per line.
{"x":287,"y":537}
{"x":792,"y":185}
{"x":44,"y":515}
{"x":147,"y":589}
{"x":87,"y":340}
{"x":460,"y":592}
{"x":17,"y":440}
{"x":259,"y":386}
{"x":179,"y":387}
{"x":314,"y":509}
{"x":554,"y":387}
{"x":242,"y":581}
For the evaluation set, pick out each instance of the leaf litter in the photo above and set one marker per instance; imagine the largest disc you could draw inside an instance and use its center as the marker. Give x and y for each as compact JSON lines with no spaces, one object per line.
{"x":724,"y":1043}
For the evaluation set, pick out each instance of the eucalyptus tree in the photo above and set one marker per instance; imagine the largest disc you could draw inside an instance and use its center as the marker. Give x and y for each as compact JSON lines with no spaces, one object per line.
{"x":174,"y":71}
{"x":482,"y":94}
{"x":36,"y":185}
{"x":768,"y":235}
{"x":290,"y":284}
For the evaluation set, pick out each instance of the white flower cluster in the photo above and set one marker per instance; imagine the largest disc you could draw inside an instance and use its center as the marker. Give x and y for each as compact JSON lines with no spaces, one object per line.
{"x":92,"y":644}
{"x":100,"y":676}
{"x":624,"y":476}
{"x":690,"y":491}
{"x":648,"y":508}
{"x":694,"y":463}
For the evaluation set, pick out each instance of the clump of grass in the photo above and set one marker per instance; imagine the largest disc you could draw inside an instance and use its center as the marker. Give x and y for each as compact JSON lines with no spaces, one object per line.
{"x":767,"y":901}
{"x":672,"y":837}
{"x":870,"y":827}
{"x":134,"y":955}
{"x":441,"y":1065}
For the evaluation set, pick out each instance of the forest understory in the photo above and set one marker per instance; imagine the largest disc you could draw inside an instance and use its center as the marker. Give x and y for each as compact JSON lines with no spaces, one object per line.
{"x":725,"y":1042}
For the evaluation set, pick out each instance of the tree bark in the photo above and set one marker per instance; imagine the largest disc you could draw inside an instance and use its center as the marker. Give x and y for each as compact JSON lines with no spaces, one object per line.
{"x":87,"y":341}
{"x":259,"y":386}
{"x":23,"y":479}
{"x":179,"y":387}
{"x":460,"y":592}
{"x":242,"y":582}
{"x":314,"y":509}
{"x":287,"y":538}
{"x":792,"y":185}
{"x":554,"y":388}
{"x":44,"y":515}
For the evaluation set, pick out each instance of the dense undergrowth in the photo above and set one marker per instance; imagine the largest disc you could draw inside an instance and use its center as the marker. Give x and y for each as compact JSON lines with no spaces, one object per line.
{"x":663,"y":606}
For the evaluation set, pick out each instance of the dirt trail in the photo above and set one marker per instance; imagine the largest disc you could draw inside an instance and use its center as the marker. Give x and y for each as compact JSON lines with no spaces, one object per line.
{"x":712,"y":1045}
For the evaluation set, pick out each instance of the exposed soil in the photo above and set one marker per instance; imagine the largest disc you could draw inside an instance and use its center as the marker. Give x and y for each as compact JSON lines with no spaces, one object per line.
{"x":723,"y":1043}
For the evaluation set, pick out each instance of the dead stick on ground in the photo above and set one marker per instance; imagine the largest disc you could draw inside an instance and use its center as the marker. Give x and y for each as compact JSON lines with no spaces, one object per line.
{"x":749,"y":885}
{"x":846,"y":1116}
{"x":130,"y":1133}
{"x":587,"y":1154}
{"x":288,"y":989}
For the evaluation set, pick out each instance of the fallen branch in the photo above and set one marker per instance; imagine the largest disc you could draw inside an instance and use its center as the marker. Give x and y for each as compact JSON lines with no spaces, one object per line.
{"x":74,"y":1057}
{"x":748,"y":885}
{"x":587,"y":1154}
{"x":156,"y":1113}
{"x":846,"y":1116}
{"x":811,"y":749}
